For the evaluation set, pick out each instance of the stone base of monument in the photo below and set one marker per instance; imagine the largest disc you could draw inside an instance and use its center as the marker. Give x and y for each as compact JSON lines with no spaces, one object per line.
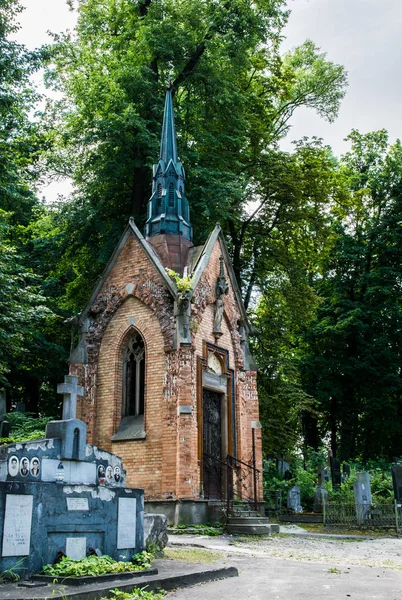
{"x":51,"y":505}
{"x":60,"y":496}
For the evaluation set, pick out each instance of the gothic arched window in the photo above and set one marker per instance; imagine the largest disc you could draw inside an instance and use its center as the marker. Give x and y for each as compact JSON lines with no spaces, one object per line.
{"x":134,"y":378}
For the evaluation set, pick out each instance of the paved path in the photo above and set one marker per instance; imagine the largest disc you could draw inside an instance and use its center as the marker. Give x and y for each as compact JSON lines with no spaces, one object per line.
{"x":296,"y":568}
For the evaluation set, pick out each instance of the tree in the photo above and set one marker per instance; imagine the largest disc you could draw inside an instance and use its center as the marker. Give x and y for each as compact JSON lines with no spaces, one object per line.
{"x":31,"y":356}
{"x":352,"y":363}
{"x":22,"y":307}
{"x":234,"y":96}
{"x":300,"y":238}
{"x":18,"y":141}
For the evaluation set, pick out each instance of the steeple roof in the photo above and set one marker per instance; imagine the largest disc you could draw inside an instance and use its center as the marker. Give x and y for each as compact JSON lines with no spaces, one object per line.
{"x":168,"y":209}
{"x":168,"y":140}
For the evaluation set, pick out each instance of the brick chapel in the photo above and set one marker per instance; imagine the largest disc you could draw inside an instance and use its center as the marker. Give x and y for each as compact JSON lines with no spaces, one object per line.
{"x":170,"y":385}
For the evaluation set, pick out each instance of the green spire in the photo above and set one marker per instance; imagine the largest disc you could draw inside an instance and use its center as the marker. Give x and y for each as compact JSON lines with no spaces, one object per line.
{"x":168,"y":141}
{"x":168,"y":210}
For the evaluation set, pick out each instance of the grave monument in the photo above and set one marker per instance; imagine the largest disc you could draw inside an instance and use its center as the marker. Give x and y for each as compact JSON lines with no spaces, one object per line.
{"x":321,"y":494}
{"x":363,"y":499}
{"x":396,"y":471}
{"x":62,"y":495}
{"x":294,"y":499}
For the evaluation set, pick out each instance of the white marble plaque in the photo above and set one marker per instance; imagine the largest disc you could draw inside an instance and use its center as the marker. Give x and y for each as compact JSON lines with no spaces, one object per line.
{"x":77,"y":504}
{"x":17,"y":525}
{"x":126,"y":523}
{"x":75,"y":473}
{"x":76,"y":547}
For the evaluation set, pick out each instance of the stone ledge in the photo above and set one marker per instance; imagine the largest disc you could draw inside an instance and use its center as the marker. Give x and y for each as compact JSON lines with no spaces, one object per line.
{"x":93,"y":578}
{"x":171,"y":575}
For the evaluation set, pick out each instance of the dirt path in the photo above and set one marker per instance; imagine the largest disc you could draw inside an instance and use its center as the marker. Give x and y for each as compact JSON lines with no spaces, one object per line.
{"x":383,"y":553}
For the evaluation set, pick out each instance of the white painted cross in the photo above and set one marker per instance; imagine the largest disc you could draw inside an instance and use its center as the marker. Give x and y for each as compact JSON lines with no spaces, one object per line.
{"x":70,"y":390}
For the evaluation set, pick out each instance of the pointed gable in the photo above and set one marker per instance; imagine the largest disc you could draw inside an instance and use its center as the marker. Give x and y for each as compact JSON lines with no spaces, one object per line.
{"x":131,"y":250}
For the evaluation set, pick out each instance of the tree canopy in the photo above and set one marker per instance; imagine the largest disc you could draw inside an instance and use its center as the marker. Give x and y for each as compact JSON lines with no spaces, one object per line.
{"x":314,"y":239}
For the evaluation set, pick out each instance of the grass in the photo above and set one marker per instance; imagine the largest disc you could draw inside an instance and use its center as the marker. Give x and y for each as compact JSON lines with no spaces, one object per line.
{"x":136,"y":594}
{"x":191,"y":555}
{"x":319,"y":528}
{"x":199,"y":529}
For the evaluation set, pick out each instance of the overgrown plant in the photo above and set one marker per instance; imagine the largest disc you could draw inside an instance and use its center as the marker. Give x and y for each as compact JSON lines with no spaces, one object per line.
{"x":183,"y":284}
{"x":202,"y":529}
{"x":97,"y":565}
{"x":25,"y":427}
{"x":136,"y":594}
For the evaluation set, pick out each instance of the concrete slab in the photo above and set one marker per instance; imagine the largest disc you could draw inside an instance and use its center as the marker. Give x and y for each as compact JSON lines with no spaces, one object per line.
{"x":171,"y":575}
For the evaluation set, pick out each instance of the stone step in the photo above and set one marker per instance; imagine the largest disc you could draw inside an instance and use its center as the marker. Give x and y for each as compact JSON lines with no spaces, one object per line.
{"x":246,"y":513}
{"x":243,"y":520}
{"x":250,"y":529}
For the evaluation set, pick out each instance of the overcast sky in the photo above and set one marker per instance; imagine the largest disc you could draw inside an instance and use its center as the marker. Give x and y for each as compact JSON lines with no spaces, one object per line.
{"x":363,"y":35}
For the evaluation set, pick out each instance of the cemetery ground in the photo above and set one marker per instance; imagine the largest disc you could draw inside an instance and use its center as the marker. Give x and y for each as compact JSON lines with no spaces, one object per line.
{"x":298,"y":565}
{"x":292,"y":565}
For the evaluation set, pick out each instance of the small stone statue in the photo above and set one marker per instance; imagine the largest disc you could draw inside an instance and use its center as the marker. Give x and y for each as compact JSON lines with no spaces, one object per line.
{"x":221,"y":288}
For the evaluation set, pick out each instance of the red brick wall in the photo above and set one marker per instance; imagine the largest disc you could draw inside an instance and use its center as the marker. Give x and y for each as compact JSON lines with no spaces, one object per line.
{"x":246,"y":399}
{"x":165,"y":464}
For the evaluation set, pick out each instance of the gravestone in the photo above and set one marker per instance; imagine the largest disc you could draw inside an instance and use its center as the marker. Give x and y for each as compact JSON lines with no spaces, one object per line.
{"x":321,"y":494}
{"x":4,"y":424}
{"x":3,"y":402}
{"x":60,"y":494}
{"x":363,"y":499}
{"x":345,"y":471}
{"x":282,"y":466}
{"x":396,"y":471}
{"x":335,"y":471}
{"x":294,"y":499}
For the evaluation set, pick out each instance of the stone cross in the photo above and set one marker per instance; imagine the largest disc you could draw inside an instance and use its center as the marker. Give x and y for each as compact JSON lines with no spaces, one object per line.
{"x":320,"y":476}
{"x":70,"y":390}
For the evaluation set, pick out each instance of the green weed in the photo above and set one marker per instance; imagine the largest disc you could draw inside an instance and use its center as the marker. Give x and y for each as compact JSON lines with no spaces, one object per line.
{"x":97,"y":565}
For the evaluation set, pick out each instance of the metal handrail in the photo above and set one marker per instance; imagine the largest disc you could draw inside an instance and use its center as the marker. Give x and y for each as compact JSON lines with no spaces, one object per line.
{"x":243,"y":463}
{"x":234,"y":465}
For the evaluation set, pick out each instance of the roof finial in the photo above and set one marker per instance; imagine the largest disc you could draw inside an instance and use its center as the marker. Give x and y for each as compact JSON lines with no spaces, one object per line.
{"x":168,"y":141}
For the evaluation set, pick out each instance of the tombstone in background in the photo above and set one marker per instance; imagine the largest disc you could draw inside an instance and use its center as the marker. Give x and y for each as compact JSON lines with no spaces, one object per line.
{"x":3,"y":402}
{"x":282,"y":466}
{"x":4,"y":424}
{"x":294,"y":499}
{"x":60,"y":494}
{"x":345,"y":472}
{"x":363,"y":499}
{"x":321,"y":494}
{"x":335,"y":471}
{"x":288,"y":475}
{"x":396,"y":471}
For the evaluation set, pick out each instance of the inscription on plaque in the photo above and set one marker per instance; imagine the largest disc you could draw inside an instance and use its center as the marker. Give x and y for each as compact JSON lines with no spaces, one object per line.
{"x":17,"y":525}
{"x":77,"y":504}
{"x":76,"y":547}
{"x":126,"y":523}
